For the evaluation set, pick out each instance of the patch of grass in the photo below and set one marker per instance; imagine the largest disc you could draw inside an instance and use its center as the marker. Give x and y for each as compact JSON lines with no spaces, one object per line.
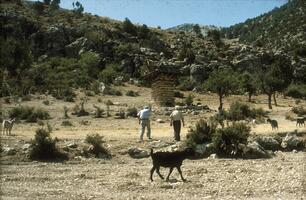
{"x":46,"y":102}
{"x":29,"y":114}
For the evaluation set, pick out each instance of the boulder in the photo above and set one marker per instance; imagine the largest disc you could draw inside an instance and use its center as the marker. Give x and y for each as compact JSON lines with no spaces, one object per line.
{"x":135,"y":152}
{"x":291,"y":141}
{"x":160,"y":121}
{"x":198,"y":73}
{"x":72,"y":145}
{"x":75,"y":48}
{"x":268,"y":143}
{"x":9,"y":151}
{"x":205,"y":149}
{"x":253,"y":151}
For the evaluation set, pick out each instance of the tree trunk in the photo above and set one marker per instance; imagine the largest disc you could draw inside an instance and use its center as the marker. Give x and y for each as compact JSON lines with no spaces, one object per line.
{"x":221,"y":104}
{"x":250,"y":96}
{"x":269,"y":101}
{"x":274,"y":98}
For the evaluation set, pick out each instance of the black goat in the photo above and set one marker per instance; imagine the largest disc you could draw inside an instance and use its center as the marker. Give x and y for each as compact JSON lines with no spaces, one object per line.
{"x":169,"y":159}
{"x":300,"y":121}
{"x":273,"y":123}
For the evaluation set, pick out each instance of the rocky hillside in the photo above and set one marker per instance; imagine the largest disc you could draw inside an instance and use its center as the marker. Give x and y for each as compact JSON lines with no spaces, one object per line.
{"x":189,"y":28}
{"x":280,"y":29}
{"x":47,"y":49}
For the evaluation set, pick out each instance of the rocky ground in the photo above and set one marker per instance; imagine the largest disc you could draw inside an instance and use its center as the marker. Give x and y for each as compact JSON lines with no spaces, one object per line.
{"x":122,"y":177}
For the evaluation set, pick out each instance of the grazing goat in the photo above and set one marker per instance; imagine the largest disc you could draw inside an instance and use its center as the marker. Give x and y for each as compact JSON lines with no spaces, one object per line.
{"x":7,"y":126}
{"x":273,"y":123}
{"x":300,"y":121}
{"x":169,"y":159}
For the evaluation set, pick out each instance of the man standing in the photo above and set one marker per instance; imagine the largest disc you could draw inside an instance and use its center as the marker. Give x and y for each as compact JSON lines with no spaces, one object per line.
{"x":175,"y":119}
{"x":144,"y":121}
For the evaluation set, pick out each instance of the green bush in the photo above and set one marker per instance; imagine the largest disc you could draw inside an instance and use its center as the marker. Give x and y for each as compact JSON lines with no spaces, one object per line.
{"x":66,"y":123}
{"x":178,"y":94}
{"x":46,"y":102}
{"x":108,"y":75}
{"x":131,"y":112}
{"x":239,"y":111}
{"x":96,"y":141}
{"x":132,"y":93}
{"x":299,"y":110}
{"x":30,"y":114}
{"x":66,"y":94}
{"x":189,"y":100}
{"x":227,"y":139}
{"x":202,"y":133}
{"x":44,"y":147}
{"x":296,"y":91}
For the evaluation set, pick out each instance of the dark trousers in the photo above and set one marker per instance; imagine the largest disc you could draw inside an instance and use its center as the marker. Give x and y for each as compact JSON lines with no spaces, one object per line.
{"x":177,"y":130}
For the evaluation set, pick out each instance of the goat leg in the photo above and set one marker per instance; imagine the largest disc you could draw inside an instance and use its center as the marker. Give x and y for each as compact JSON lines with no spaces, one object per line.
{"x":157,"y":170}
{"x":170,"y":171}
{"x":151,"y":174}
{"x":180,"y":171}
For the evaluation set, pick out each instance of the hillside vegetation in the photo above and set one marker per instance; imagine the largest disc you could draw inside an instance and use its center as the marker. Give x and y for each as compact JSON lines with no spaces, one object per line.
{"x":47,"y":49}
{"x":282,"y":28}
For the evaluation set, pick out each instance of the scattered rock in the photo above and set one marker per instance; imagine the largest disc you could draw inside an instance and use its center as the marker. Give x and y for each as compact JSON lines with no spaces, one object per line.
{"x":160,"y":121}
{"x":135,"y":152}
{"x":268,"y":143}
{"x":9,"y":151}
{"x":205,"y":149}
{"x":291,"y":141}
{"x":72,"y":145}
{"x":26,"y":147}
{"x":253,"y":151}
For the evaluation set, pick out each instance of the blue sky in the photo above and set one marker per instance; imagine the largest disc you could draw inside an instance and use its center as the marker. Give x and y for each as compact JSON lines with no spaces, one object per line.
{"x":169,"y":13}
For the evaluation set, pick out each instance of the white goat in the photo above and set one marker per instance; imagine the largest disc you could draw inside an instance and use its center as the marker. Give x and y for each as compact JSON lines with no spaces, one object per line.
{"x":7,"y":126}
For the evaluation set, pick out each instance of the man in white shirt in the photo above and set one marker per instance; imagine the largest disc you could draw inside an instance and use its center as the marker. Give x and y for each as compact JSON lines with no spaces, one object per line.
{"x":175,"y":119}
{"x":144,"y":121}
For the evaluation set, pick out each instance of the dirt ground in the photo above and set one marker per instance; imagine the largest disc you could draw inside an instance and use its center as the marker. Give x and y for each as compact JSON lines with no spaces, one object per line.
{"x":281,"y":177}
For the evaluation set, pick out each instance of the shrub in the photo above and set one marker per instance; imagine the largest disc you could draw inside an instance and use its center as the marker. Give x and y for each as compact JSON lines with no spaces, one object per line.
{"x":30,"y":114}
{"x":178,"y":94}
{"x":46,"y":102}
{"x":202,"y":133}
{"x":239,"y":111}
{"x":66,"y":112}
{"x":112,"y":91}
{"x":131,"y":93}
{"x":96,"y":141}
{"x":296,"y":91}
{"x":128,"y":27}
{"x":44,"y":147}
{"x":131,"y":112}
{"x":189,"y":100}
{"x":120,"y":115}
{"x":66,"y":94}
{"x":219,"y":118}
{"x":66,"y":123}
{"x":108,"y":75}
{"x":7,"y":100}
{"x":99,"y":112}
{"x":38,"y":7}
{"x":226,"y":140}
{"x":299,"y":110}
